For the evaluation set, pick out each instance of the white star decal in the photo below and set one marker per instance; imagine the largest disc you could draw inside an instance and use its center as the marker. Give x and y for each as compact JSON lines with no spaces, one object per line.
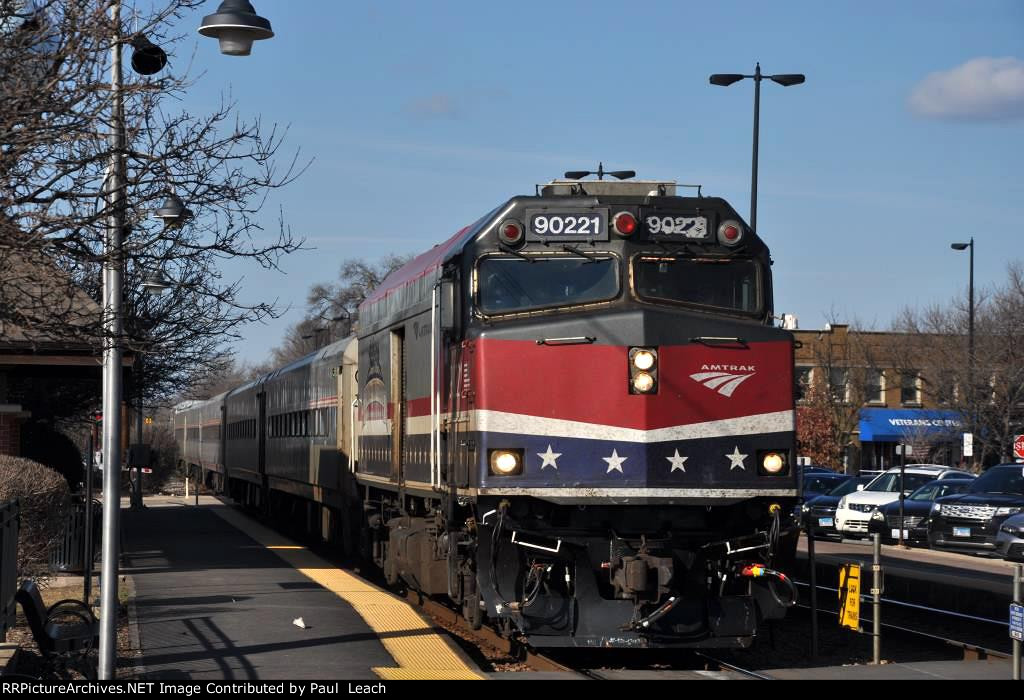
{"x":736,"y":459}
{"x":549,"y":458}
{"x":678,"y":463}
{"x":615,"y":462}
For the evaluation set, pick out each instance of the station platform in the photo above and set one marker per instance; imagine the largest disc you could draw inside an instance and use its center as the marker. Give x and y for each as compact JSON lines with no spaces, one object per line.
{"x":217,"y":596}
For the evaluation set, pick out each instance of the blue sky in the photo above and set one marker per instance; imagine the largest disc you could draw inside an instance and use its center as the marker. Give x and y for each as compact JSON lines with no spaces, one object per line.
{"x":907,"y":135}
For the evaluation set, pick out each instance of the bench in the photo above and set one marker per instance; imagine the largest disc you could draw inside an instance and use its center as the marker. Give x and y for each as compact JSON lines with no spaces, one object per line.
{"x":66,"y":632}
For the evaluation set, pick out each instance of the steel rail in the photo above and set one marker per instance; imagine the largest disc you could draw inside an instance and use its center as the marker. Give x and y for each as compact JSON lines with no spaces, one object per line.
{"x":733,"y":667}
{"x":966,"y":646}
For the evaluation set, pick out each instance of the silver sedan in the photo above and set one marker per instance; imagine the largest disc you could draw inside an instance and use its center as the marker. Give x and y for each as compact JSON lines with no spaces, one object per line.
{"x":1010,"y":540}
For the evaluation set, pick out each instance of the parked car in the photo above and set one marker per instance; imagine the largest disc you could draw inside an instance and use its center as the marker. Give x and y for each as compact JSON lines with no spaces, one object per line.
{"x":854,"y":511}
{"x":1010,"y":540}
{"x":821,"y":510}
{"x":917,"y":510}
{"x":971,"y":521}
{"x":819,"y":483}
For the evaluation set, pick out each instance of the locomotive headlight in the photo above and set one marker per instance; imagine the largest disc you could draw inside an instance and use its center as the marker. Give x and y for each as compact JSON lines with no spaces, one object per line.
{"x":643,"y":382}
{"x":643,"y":359}
{"x":643,"y":370}
{"x":506,"y":462}
{"x":773,"y":463}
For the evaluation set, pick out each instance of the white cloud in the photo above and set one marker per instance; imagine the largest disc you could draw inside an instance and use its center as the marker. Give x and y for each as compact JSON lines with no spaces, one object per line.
{"x":982,"y":89}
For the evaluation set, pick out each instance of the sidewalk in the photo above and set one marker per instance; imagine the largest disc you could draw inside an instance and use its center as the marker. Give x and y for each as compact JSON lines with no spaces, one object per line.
{"x":214,"y":603}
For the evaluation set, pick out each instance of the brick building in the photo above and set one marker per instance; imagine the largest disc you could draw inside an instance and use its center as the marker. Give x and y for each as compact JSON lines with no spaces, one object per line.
{"x":867,"y":382}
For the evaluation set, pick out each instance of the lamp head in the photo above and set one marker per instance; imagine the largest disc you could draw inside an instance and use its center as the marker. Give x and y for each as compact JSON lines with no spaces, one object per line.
{"x":147,"y":57}
{"x":725,"y":79}
{"x":236,"y":25}
{"x":787,"y":79}
{"x":173,"y":211}
{"x":959,"y":246}
{"x":155,"y":284}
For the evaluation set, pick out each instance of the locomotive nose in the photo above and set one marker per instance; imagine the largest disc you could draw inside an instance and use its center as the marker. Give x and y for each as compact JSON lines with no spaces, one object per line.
{"x":648,"y":403}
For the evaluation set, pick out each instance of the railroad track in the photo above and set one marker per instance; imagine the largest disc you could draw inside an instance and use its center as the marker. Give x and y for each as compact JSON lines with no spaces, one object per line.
{"x":511,"y":647}
{"x":979,"y":647}
{"x":734,"y":668}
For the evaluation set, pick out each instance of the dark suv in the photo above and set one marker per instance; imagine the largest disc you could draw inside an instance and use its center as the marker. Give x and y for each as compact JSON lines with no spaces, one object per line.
{"x":917,"y":508}
{"x":970,"y":521}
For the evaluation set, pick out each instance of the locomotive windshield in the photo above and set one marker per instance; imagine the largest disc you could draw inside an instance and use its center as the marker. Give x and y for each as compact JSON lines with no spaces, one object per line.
{"x":509,"y":285}
{"x":725,"y":283}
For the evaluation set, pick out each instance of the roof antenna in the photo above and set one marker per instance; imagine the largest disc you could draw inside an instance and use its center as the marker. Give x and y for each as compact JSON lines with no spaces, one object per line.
{"x":600,"y":172}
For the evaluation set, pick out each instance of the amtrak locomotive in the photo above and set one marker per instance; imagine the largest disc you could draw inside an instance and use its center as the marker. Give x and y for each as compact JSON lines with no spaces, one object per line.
{"x":574,"y":418}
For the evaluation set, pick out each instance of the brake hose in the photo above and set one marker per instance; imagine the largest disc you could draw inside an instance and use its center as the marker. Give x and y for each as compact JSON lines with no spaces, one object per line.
{"x":760,"y":571}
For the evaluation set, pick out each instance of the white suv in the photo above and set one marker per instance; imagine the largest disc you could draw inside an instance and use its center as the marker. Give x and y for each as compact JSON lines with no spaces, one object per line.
{"x":854,"y":511}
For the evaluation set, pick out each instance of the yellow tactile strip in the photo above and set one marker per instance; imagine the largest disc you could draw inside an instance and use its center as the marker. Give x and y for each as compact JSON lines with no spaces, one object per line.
{"x":420,"y":652}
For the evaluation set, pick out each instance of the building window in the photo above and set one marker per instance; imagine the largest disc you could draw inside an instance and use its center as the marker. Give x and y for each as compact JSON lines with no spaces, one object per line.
{"x":874,"y":386}
{"x":943,"y":387}
{"x":804,"y":377}
{"x":838,"y":384}
{"x":910,"y":388}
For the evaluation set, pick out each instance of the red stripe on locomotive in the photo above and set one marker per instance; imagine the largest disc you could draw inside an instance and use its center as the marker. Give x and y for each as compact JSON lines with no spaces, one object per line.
{"x":589,"y":383}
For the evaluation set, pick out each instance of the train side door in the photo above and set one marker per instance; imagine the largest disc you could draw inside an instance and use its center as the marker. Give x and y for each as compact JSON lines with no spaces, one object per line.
{"x":261,"y":449}
{"x":399,"y":396}
{"x":222,"y":457}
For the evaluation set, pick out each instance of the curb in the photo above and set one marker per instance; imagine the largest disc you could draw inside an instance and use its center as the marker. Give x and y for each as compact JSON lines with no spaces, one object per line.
{"x":137,"y":669}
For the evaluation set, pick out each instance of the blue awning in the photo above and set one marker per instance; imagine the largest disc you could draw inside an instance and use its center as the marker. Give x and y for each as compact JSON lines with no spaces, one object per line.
{"x":908,"y":424}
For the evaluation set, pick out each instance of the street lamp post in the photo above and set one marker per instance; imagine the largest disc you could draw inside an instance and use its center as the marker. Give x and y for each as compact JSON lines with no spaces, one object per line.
{"x":112,"y":334}
{"x":236,"y":25}
{"x":784,"y":79}
{"x":970,"y":323}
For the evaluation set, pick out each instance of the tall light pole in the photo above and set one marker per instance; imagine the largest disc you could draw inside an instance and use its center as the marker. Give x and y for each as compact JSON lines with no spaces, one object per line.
{"x":970,"y":325}
{"x":784,"y":79}
{"x":236,"y":25}
{"x":112,"y":336}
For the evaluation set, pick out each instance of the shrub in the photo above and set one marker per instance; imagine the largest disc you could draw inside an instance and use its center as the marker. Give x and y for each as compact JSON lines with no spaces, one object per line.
{"x":44,"y":496}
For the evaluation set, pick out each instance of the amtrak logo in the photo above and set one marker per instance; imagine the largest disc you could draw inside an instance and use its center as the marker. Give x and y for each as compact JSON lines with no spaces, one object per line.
{"x":724,"y":379}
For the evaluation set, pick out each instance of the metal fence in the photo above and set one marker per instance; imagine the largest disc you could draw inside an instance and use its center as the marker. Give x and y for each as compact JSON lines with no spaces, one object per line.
{"x":68,"y":554}
{"x":9,"y":526}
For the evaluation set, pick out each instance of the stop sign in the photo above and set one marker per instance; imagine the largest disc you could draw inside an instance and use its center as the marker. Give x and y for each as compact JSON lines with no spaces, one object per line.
{"x":1018,"y":446}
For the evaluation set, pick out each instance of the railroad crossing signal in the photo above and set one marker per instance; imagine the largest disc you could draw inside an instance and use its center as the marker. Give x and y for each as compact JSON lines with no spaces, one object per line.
{"x":849,"y":596}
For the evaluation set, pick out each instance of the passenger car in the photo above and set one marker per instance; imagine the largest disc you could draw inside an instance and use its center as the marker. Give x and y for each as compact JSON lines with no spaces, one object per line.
{"x":971,"y":521}
{"x":917,"y":508}
{"x":854,"y":511}
{"x":1010,"y":540}
{"x":821,"y":510}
